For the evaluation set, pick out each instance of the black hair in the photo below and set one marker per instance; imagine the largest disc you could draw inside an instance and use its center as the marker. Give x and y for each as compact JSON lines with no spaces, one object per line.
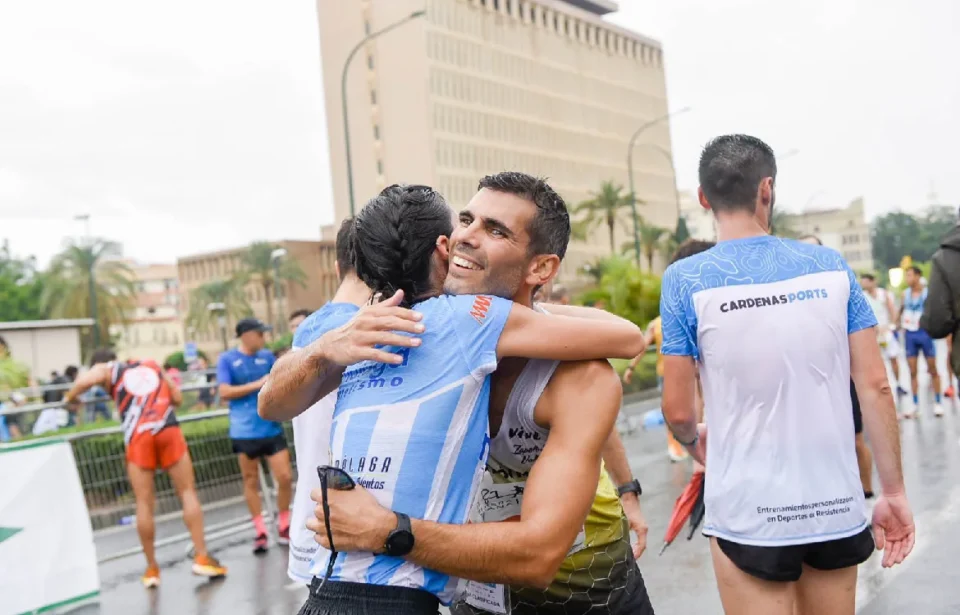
{"x":868,"y":276}
{"x":395,"y":235}
{"x":916,"y":270}
{"x":167,"y":365}
{"x":71,"y":372}
{"x":690,"y":247}
{"x":813,"y":237}
{"x":549,"y":230}
{"x":731,"y":169}
{"x":103,"y":355}
{"x":301,"y":312}
{"x":344,"y":246}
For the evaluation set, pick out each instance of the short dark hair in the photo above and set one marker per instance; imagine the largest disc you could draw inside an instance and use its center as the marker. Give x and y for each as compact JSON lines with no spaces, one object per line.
{"x":71,"y":372}
{"x":731,"y":169}
{"x":395,"y":236}
{"x":691,"y":247}
{"x":344,"y":246}
{"x":813,"y":237}
{"x":868,"y":276}
{"x":301,"y":312}
{"x":549,"y":230}
{"x":103,"y":355}
{"x":916,"y":270}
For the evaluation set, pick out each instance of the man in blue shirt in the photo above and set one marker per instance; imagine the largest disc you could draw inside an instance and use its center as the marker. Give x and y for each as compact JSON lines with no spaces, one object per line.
{"x":241,"y":373}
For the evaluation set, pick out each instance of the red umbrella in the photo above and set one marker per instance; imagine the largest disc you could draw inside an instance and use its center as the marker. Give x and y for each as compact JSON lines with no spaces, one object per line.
{"x":685,"y":504}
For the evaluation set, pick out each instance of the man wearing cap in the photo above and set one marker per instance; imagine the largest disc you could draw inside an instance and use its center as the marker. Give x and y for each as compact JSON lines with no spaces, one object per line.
{"x":241,"y":372}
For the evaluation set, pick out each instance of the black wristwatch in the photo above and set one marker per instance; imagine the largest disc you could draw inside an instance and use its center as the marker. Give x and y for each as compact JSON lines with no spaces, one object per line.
{"x":400,"y":541}
{"x":631,"y":487}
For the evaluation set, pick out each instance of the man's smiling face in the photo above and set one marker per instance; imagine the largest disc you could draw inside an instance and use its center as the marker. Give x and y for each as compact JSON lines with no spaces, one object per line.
{"x":489,"y":247}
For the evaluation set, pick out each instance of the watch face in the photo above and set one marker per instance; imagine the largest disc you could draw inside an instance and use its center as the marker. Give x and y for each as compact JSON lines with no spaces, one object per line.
{"x":400,"y":542}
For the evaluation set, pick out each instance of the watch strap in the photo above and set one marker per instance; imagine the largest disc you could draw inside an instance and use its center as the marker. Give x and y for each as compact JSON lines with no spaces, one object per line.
{"x":631,"y":487}
{"x":403,"y":523}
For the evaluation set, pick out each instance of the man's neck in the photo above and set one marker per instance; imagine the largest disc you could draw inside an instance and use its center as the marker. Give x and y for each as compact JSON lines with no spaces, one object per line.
{"x":738,"y":225}
{"x":916,"y":289}
{"x":352,"y":290}
{"x":245,"y":350}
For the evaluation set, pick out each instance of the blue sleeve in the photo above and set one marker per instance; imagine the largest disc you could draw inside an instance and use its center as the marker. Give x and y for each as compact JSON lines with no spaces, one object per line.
{"x":859,"y":313}
{"x":677,"y":317}
{"x":318,"y":323}
{"x":478,"y":321}
{"x":224,"y":375}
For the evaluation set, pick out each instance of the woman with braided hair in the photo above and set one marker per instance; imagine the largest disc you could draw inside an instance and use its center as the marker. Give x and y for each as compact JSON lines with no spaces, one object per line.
{"x":410,"y":425}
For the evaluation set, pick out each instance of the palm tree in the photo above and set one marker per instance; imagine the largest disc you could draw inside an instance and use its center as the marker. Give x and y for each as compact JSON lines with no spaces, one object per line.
{"x":68,"y":285}
{"x":650,"y":241}
{"x":258,"y":264}
{"x":229,"y":292}
{"x":604,"y":208}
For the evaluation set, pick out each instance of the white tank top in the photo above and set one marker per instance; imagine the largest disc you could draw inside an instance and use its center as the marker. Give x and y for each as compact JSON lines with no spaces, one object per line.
{"x":519,"y":441}
{"x":879,"y":306}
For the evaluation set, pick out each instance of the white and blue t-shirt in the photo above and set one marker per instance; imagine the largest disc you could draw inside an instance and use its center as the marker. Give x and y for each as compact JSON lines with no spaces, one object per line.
{"x":912,"y":309}
{"x":311,"y":437}
{"x":768,"y":321}
{"x":236,"y":368}
{"x":416,"y":434}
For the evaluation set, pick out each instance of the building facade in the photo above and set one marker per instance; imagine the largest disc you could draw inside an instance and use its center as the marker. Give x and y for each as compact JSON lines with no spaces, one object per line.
{"x":846,"y":230}
{"x":45,"y":346}
{"x":154,"y":329}
{"x":479,"y":86}
{"x":316,"y":259}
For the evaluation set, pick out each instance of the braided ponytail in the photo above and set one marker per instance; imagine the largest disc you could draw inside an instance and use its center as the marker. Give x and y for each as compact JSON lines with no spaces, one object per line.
{"x":396,"y":234}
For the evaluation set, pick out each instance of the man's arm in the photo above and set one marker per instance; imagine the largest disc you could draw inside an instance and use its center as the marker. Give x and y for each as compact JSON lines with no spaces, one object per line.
{"x":98,"y":374}
{"x":879,"y":410}
{"x":618,"y":467}
{"x":234,"y":391}
{"x":648,"y":339}
{"x":176,"y":396}
{"x":533,"y":335}
{"x":939,"y":318}
{"x":679,"y":403}
{"x":556,"y":500}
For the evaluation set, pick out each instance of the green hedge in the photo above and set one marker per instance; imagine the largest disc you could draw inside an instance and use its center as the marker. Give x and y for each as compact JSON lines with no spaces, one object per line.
{"x":644,"y":377}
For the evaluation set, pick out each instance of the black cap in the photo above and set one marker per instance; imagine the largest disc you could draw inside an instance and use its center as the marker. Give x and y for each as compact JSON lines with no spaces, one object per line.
{"x":251,"y":324}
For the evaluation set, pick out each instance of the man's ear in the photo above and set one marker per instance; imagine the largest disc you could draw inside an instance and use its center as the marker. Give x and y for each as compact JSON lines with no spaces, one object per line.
{"x":543,"y":268}
{"x":443,"y":246}
{"x":703,"y":199}
{"x":336,"y":269}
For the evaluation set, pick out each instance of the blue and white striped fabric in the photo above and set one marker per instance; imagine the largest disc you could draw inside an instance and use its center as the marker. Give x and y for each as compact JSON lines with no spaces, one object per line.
{"x":416,"y":434}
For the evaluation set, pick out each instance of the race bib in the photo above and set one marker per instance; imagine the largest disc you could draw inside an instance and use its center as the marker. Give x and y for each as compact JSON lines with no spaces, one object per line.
{"x":911,"y":320}
{"x":489,"y":597}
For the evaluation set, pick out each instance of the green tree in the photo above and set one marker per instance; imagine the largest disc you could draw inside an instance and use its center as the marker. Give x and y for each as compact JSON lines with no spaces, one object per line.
{"x":258,"y":266}
{"x":626,"y":291}
{"x":899,"y":234}
{"x":604,"y":208}
{"x":651,"y":241}
{"x":67,"y":286}
{"x":229,"y":292}
{"x":780,"y":225}
{"x":20,"y":287}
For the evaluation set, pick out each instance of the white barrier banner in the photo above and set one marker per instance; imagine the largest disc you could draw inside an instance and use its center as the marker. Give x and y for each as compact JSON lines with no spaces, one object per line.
{"x":47,"y":555}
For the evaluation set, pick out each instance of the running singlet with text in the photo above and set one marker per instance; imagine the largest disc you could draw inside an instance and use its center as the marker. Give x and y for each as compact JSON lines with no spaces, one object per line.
{"x":416,"y":434}
{"x":768,"y":321}
{"x":142,"y":397}
{"x":912,"y":309}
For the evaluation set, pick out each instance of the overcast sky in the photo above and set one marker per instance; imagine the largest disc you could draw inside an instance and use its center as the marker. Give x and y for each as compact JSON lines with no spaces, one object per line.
{"x":185,"y":126}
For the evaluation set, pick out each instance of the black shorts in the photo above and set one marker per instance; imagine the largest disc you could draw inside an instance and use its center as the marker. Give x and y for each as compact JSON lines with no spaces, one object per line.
{"x":786,"y":563}
{"x":857,"y":417}
{"x":260,"y":447}
{"x":342,"y":598}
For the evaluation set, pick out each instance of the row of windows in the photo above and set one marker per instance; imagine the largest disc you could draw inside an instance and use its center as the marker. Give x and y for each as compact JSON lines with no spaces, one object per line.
{"x":158,"y":335}
{"x":856,"y":255}
{"x":850,"y":240}
{"x":210,"y":268}
{"x":463,"y":17}
{"x":480,"y":58}
{"x":528,"y":134}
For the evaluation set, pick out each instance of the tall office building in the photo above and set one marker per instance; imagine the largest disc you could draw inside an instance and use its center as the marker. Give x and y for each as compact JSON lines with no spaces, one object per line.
{"x":479,"y":86}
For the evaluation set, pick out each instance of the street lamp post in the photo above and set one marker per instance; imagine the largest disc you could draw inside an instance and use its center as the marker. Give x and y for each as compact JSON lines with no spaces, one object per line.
{"x":220,"y":310}
{"x":91,"y":280}
{"x":343,"y":95}
{"x":673,"y":169}
{"x":275,"y":257}
{"x":633,"y":194}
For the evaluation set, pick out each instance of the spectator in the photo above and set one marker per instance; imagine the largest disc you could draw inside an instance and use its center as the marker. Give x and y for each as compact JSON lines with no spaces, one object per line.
{"x":206,"y":395}
{"x":10,"y":428}
{"x":95,"y":402}
{"x":941,"y":313}
{"x":297,"y":317}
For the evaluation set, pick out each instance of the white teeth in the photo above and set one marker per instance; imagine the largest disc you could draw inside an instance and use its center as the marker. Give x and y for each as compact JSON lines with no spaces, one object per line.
{"x":462,"y":262}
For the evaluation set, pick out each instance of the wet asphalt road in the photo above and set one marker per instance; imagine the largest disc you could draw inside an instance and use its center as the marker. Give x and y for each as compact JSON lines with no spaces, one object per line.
{"x":680,"y":581}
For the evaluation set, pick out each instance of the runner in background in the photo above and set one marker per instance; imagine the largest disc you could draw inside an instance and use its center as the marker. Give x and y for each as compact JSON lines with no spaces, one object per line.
{"x":241,"y":373}
{"x":917,"y":341}
{"x":145,"y":399}
{"x":885,"y":310}
{"x":654,"y":337}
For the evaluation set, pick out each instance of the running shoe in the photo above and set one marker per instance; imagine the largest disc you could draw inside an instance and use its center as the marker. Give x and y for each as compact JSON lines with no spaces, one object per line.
{"x":260,"y":544}
{"x":151,"y":578}
{"x":937,"y":410}
{"x":284,"y":534}
{"x":208,"y":566}
{"x":950,"y":391}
